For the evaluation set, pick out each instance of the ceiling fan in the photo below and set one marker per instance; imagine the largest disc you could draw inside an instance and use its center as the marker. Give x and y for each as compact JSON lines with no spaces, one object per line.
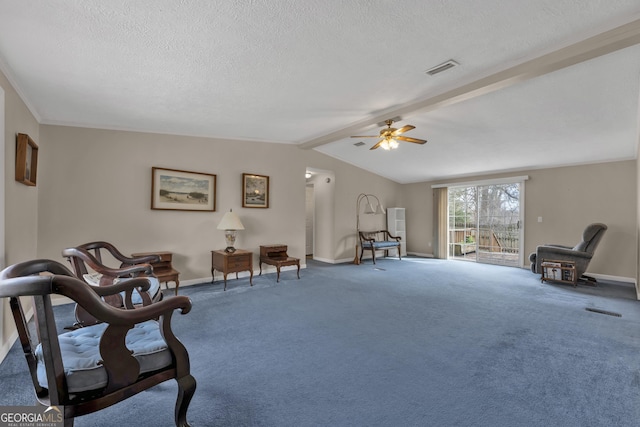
{"x":389,"y":137}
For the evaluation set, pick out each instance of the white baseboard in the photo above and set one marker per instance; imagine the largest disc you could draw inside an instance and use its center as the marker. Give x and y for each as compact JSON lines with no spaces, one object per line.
{"x":612,"y":278}
{"x":421,"y":255}
{"x":333,"y":261}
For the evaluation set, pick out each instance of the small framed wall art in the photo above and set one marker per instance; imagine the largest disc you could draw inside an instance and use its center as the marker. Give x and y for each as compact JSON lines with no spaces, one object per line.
{"x":255,"y":191}
{"x":26,"y":160}
{"x":178,"y":190}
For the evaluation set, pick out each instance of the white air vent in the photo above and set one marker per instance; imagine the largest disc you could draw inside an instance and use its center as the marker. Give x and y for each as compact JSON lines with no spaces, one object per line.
{"x":442,"y":67}
{"x":359,"y":144}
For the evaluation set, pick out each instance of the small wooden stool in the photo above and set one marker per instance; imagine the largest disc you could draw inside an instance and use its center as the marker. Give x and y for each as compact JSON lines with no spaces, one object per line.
{"x":276,"y":255}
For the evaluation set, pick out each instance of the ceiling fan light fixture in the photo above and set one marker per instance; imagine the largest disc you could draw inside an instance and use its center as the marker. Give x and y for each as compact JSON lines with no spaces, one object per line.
{"x":389,"y":144}
{"x":390,"y":138}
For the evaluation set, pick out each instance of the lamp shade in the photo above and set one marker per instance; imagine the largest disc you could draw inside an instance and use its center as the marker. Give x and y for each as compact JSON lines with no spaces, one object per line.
{"x":230,"y":221}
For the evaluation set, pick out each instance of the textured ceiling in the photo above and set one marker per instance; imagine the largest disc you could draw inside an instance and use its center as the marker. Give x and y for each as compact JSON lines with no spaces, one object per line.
{"x":314,"y":72}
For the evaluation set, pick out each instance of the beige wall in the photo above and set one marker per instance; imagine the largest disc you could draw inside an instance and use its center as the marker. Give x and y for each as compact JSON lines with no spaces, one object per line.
{"x":417,"y":199}
{"x":96,"y":185}
{"x":570,"y":198}
{"x":20,"y":201}
{"x":567,"y":199}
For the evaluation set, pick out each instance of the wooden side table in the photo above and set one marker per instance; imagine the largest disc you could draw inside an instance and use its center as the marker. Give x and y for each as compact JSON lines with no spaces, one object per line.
{"x":163,"y":269}
{"x":232,"y":262}
{"x":276,"y":255}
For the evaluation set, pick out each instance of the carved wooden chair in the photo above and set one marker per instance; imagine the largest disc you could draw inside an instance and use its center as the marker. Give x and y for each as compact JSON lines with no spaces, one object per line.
{"x":378,"y":240}
{"x":91,"y":368}
{"x":87,"y":263}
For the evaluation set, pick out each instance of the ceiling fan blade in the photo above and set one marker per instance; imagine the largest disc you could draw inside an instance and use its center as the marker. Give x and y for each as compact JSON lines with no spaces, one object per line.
{"x":377,"y":145}
{"x":403,"y":129}
{"x":366,"y":136}
{"x":414,"y":140}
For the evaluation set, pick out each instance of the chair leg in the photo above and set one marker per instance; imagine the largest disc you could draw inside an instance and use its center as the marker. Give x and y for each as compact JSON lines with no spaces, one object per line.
{"x":373,"y":253}
{"x":186,"y":389}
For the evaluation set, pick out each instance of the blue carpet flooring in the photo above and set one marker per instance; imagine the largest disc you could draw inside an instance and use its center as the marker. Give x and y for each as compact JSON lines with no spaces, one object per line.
{"x":417,"y":342}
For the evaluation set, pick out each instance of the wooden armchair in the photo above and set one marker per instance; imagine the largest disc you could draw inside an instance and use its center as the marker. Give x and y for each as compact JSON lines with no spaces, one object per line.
{"x":91,"y":368}
{"x":378,"y":240}
{"x":90,"y":268}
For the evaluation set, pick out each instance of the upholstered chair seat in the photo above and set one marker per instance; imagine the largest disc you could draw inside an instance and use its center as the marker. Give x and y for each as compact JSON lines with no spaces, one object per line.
{"x":80,"y":350}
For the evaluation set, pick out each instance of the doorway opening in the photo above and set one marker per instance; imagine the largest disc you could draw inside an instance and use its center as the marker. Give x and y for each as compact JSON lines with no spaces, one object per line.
{"x":309,"y":224}
{"x":485,"y":223}
{"x":320,"y":196}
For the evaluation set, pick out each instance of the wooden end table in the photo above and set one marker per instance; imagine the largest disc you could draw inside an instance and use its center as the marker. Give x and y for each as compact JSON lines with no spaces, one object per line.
{"x":163,"y":269}
{"x":276,"y":255}
{"x":232,"y":262}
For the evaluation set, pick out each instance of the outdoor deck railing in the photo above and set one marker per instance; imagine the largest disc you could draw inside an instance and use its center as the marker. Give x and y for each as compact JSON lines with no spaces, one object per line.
{"x":487,"y":239}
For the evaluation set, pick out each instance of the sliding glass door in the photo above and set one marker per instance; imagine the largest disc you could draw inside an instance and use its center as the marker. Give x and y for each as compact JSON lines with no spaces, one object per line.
{"x":485,"y":223}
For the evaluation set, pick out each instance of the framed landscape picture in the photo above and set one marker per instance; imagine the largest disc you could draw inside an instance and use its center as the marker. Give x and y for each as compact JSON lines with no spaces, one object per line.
{"x":178,"y":190}
{"x":26,"y":160}
{"x":255,"y":191}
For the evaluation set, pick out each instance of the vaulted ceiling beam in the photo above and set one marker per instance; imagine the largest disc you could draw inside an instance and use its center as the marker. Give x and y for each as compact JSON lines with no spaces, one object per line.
{"x":601,"y":44}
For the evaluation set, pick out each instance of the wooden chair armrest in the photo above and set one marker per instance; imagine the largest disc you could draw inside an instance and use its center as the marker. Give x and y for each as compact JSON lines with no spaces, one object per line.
{"x":390,"y":236}
{"x":140,"y":283}
{"x":365,"y":238}
{"x":132,"y":271}
{"x":147,"y":259}
{"x":89,"y":300}
{"x":96,"y":265}
{"x":93,"y":246}
{"x":110,"y":289}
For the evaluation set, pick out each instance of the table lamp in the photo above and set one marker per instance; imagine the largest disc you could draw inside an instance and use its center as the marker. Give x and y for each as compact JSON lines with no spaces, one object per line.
{"x":230,"y":224}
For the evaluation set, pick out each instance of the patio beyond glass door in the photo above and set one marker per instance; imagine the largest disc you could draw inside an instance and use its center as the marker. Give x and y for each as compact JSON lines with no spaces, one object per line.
{"x":485,"y":223}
